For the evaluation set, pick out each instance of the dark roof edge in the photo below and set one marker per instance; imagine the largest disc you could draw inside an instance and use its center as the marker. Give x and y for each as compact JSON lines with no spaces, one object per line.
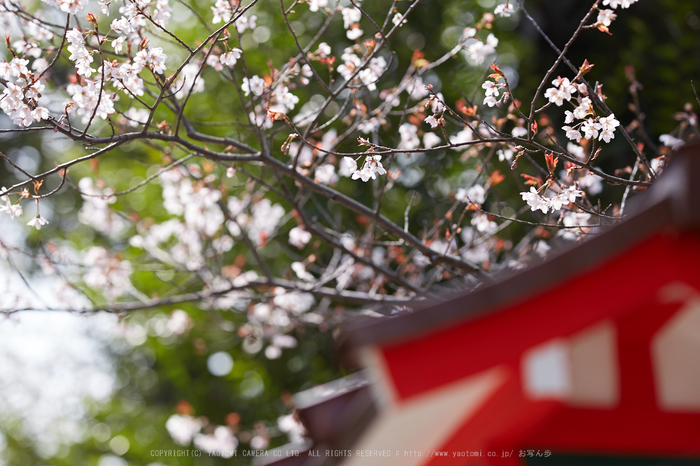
{"x":670,"y":201}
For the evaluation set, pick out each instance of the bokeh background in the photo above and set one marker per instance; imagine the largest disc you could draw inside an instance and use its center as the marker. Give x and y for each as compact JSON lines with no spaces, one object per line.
{"x":98,"y":390}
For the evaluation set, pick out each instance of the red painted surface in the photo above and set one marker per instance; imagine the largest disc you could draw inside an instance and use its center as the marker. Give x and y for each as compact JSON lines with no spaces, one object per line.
{"x":623,"y":290}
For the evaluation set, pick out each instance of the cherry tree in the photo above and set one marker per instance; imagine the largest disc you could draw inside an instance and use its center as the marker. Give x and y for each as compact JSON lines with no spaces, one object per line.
{"x":293,"y":163}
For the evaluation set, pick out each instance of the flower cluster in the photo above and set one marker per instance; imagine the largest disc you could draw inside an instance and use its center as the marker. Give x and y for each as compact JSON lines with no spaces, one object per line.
{"x":492,"y":90}
{"x":476,"y":50}
{"x":620,"y":3}
{"x":370,"y":169}
{"x":564,"y":197}
{"x":602,"y":128}
{"x":562,"y":91}
{"x":20,"y":98}
{"x":79,"y":53}
{"x":13,"y":210}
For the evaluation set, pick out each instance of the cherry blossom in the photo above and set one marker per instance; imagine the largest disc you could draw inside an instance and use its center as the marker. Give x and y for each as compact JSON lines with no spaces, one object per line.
{"x":79,"y":53}
{"x":371,"y":168}
{"x":504,"y":9}
{"x":491,"y":89}
{"x":350,"y":16}
{"x":13,"y":210}
{"x":230,"y":58}
{"x":431,"y":140}
{"x":590,"y":128}
{"x":348,"y":166}
{"x":398,"y":20}
{"x":463,"y":137}
{"x":535,"y":201}
{"x":243,"y":23}
{"x":432,"y":121}
{"x":572,"y":133}
{"x":256,"y":85}
{"x":250,"y":212}
{"x":409,"y":136}
{"x":222,"y":11}
{"x":315,"y":5}
{"x":222,"y":441}
{"x":299,"y":237}
{"x":561,"y":91}
{"x":607,"y":127}
{"x":189,"y":81}
{"x":606,"y":17}
{"x":107,"y":273}
{"x":505,"y":155}
{"x":325,"y":174}
{"x":670,"y":141}
{"x":477,"y":51}
{"x":620,"y":3}
{"x":482,"y":224}
{"x":90,"y":98}
{"x":475,"y":194}
{"x":182,"y":428}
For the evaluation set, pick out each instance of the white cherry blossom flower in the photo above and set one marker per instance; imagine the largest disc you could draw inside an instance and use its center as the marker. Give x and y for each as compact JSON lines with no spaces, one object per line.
{"x":368,"y":78}
{"x":222,"y":441}
{"x":561,"y":91}
{"x":315,"y":5}
{"x":432,"y":121}
{"x":671,"y":142}
{"x":482,"y":223}
{"x":256,"y":85}
{"x":325,"y":174}
{"x":607,"y":127}
{"x":398,"y":20}
{"x":351,"y":16}
{"x":606,"y":17}
{"x":300,"y":270}
{"x":348,"y":166}
{"x":79,"y":53}
{"x":504,"y":9}
{"x":323,"y":50}
{"x":475,"y":194}
{"x":576,"y":150}
{"x":431,"y":140}
{"x":243,"y":23}
{"x":477,"y":51}
{"x":572,"y":133}
{"x":354,"y":33}
{"x":118,"y":44}
{"x":222,"y":11}
{"x":299,"y":237}
{"x":570,"y":194}
{"x":182,"y":428}
{"x":72,"y":7}
{"x":535,"y":201}
{"x":369,"y":126}
{"x":590,"y":128}
{"x":409,"y":136}
{"x":12,"y":210}
{"x":461,"y":138}
{"x":372,"y":167}
{"x":620,"y":3}
{"x":519,"y":131}
{"x":284,"y":97}
{"x":505,"y":155}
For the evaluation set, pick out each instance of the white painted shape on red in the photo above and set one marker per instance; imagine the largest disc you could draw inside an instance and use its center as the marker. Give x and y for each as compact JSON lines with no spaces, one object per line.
{"x":547,"y":372}
{"x":595,"y":370}
{"x":424,"y":422}
{"x":675,"y":352}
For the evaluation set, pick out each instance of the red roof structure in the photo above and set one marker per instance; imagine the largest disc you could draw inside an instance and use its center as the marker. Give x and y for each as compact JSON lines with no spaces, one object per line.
{"x":593,"y":352}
